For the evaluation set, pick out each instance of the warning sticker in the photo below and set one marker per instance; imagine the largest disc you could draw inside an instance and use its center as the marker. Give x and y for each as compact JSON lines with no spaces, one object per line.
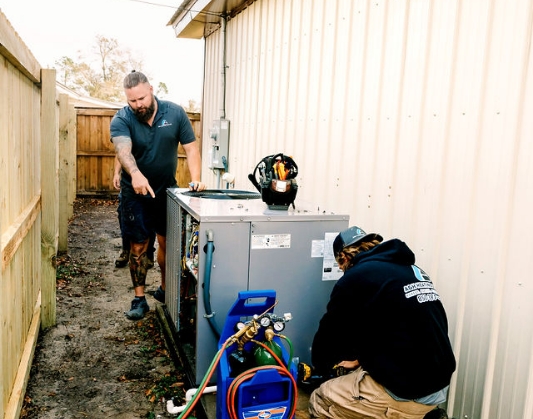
{"x":271,"y":241}
{"x":330,"y":268}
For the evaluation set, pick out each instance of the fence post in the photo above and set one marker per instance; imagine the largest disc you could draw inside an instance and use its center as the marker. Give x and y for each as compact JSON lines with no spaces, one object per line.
{"x":72,"y":148}
{"x":49,"y":196}
{"x":64,"y":168}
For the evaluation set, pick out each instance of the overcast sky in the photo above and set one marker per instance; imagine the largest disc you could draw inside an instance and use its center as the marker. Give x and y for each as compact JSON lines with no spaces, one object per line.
{"x":55,"y":28}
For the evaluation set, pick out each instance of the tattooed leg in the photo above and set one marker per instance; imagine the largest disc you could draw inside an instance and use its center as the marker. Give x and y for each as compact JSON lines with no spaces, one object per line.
{"x":138,"y":269}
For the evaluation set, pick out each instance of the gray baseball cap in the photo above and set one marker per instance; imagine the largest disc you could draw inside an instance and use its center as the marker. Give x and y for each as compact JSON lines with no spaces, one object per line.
{"x":352,"y":236}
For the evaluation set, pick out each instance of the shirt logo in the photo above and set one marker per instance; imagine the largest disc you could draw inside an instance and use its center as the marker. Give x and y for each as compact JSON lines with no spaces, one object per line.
{"x":164,"y":123}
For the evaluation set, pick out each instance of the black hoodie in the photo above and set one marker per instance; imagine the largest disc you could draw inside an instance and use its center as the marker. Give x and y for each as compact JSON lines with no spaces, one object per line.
{"x":385,"y":313}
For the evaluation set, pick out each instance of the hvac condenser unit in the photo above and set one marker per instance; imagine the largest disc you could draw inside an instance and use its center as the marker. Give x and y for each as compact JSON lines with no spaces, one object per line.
{"x":224,"y":241}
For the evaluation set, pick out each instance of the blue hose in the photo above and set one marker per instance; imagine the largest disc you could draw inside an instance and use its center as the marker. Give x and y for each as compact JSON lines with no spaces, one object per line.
{"x":209,"y":315}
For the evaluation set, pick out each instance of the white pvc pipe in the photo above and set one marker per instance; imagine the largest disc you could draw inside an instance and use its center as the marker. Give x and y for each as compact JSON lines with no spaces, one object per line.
{"x":188,"y":397}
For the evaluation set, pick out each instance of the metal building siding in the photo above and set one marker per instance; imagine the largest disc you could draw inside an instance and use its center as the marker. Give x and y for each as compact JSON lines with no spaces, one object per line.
{"x":415,"y":117}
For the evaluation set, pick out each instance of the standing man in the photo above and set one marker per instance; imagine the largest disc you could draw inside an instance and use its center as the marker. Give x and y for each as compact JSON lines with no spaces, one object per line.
{"x":386,"y":323}
{"x":146,"y":135}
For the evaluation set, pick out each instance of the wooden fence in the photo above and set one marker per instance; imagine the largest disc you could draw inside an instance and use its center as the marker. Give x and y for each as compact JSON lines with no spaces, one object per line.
{"x":50,"y":151}
{"x":29,"y":211}
{"x":95,"y":152}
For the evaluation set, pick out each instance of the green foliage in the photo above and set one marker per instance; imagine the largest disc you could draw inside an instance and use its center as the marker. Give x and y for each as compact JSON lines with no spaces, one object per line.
{"x":162,"y":90}
{"x":169,"y":386}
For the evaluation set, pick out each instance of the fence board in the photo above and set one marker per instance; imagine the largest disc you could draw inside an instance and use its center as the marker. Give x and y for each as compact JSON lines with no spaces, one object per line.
{"x":19,"y":387}
{"x":50,"y":198}
{"x":18,"y":230}
{"x":27,"y":100}
{"x":67,"y":166}
{"x":14,"y":50}
{"x":71,"y":177}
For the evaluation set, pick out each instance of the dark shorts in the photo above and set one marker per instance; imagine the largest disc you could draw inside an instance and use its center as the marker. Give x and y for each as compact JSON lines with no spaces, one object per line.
{"x":141,"y":216}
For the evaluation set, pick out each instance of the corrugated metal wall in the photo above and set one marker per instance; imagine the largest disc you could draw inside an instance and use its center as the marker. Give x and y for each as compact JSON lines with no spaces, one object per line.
{"x":416,"y":118}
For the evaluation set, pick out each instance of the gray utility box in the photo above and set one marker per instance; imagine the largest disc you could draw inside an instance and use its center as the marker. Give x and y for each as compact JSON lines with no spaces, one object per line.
{"x":253,"y":248}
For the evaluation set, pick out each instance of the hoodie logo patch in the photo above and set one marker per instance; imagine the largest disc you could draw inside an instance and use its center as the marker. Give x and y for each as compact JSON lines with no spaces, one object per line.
{"x":422,"y":290}
{"x":420,"y":274}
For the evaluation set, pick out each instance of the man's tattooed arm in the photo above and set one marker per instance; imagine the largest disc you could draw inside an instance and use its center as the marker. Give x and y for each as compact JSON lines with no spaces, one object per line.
{"x":123,"y":152}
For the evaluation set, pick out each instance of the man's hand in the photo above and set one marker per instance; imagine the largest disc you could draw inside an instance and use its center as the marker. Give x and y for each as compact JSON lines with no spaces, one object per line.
{"x":349,"y":365}
{"x":345,"y":367}
{"x":196,"y":186}
{"x":117,"y":171}
{"x":140,"y":183}
{"x":116,"y":180}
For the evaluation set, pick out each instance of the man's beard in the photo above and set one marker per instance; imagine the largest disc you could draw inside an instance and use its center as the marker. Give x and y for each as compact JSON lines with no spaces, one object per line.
{"x":144,"y":114}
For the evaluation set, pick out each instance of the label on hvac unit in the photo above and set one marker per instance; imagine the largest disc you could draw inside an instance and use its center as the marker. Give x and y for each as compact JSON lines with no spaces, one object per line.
{"x":330,"y":268}
{"x":271,"y":241}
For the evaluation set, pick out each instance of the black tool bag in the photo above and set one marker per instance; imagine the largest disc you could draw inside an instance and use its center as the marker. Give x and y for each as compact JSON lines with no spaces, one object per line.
{"x":275,"y":178}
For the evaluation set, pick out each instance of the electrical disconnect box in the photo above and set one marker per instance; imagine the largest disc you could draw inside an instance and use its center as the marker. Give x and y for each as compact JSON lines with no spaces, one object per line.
{"x":217,"y":248}
{"x":218,"y":152}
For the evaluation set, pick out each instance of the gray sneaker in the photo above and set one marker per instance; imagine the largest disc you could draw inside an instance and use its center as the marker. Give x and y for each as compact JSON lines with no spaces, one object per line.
{"x":138,"y":309}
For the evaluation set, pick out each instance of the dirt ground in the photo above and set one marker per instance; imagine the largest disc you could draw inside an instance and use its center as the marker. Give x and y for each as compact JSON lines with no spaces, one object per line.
{"x":95,"y":363}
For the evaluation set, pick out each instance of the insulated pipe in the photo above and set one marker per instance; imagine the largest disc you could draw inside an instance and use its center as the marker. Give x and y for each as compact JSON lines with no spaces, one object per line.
{"x":209,"y":315}
{"x":172,"y":409}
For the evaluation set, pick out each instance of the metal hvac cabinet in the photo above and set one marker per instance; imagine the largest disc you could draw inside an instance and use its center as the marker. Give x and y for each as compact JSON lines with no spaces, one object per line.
{"x":253,"y":248}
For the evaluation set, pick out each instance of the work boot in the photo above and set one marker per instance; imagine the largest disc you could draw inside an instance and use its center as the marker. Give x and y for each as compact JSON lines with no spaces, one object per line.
{"x":122,"y":259}
{"x":159,"y":295}
{"x":436,"y":414}
{"x":139,"y":306}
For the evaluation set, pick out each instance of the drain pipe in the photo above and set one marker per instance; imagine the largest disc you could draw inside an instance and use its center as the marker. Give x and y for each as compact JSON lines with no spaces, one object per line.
{"x":173,"y":410}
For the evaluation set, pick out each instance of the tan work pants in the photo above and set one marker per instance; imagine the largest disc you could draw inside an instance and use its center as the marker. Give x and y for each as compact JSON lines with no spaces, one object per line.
{"x":358,"y":396}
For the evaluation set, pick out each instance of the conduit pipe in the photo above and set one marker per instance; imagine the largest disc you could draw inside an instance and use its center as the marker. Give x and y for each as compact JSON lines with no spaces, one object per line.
{"x":223,"y":41}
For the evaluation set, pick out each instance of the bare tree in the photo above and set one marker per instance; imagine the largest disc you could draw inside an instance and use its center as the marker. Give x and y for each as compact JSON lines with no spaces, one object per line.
{"x":192,"y":106}
{"x":99,"y":75}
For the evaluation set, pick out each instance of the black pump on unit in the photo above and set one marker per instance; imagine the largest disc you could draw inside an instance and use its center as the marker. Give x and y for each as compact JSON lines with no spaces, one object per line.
{"x":275,"y":178}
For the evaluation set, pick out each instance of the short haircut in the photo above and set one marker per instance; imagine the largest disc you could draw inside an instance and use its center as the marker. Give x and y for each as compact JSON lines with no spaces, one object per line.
{"x":134,"y":79}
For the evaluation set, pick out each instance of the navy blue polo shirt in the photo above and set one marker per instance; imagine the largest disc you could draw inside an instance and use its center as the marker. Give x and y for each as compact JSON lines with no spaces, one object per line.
{"x":155,"y":148}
